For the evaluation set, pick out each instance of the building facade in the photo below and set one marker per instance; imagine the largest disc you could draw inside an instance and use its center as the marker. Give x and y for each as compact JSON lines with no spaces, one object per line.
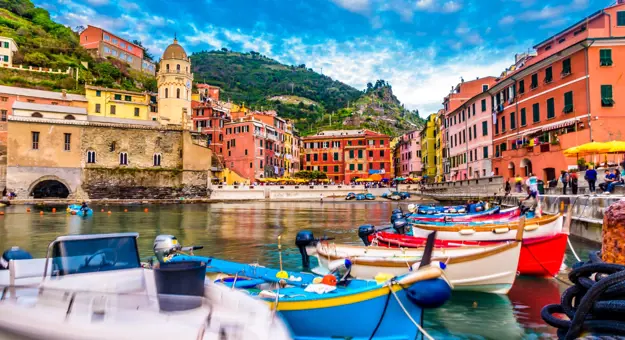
{"x":563,"y":96}
{"x":409,"y":146}
{"x":8,"y":47}
{"x":439,"y":145}
{"x":346,"y":155}
{"x":428,"y":148}
{"x":469,"y":130}
{"x":123,"y":104}
{"x":105,"y":44}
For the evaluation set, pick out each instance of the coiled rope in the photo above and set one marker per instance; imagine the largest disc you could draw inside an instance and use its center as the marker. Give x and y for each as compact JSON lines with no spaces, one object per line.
{"x":595,"y":303}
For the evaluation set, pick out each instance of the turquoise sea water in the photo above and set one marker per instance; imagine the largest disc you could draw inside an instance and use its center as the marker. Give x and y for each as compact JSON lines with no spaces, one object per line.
{"x":248,"y":232}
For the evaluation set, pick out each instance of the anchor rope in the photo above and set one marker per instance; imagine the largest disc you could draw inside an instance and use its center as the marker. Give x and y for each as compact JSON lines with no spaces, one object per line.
{"x":410,"y":316}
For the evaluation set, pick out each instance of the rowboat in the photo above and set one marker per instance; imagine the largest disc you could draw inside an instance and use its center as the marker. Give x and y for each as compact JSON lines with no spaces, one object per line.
{"x":546,"y":225}
{"x":481,"y":268}
{"x":390,"y":304}
{"x":493,"y":214}
{"x":93,"y":287}
{"x":76,"y":209}
{"x":369,"y":197}
{"x":543,"y":247}
{"x":350,"y":196}
{"x":458,"y":209}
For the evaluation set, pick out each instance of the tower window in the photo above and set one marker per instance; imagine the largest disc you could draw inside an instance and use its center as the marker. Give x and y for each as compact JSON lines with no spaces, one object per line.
{"x":157,"y":159}
{"x":167,"y":67}
{"x":178,"y":68}
{"x":178,"y":93}
{"x":166,"y":93}
{"x":123,"y":158}
{"x":91,"y":157}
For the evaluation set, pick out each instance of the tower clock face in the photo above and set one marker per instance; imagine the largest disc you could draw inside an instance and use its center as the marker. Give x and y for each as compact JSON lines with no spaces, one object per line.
{"x":188,"y":84}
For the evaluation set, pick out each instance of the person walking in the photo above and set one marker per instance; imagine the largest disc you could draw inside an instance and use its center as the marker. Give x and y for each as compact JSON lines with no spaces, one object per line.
{"x":518,"y":183}
{"x":532,"y":183}
{"x":508,"y":187}
{"x":574,"y":182}
{"x":591,"y":177}
{"x":564,"y":178}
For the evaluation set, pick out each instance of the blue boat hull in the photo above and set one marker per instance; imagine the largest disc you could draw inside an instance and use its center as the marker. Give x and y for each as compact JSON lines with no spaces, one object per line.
{"x":357,"y":321}
{"x":74,"y":209}
{"x":353,"y":312}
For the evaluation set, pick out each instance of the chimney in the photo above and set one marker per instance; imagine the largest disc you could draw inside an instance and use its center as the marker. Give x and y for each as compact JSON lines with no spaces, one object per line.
{"x":64,"y":93}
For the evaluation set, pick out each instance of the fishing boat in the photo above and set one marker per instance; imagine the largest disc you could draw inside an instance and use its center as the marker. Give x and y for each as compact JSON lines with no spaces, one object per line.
{"x":458,"y":209}
{"x":542,"y":252}
{"x":482,"y":268}
{"x":369,"y":197}
{"x":360,"y":197}
{"x":311,"y":304}
{"x":76,"y":209}
{"x":94,"y":287}
{"x":350,"y":196}
{"x":493,"y":214}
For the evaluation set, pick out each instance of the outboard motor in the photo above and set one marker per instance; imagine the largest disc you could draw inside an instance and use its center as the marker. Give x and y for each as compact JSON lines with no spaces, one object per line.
{"x":165,"y":245}
{"x":397,"y":211}
{"x":304,"y":239}
{"x":364,"y":231}
{"x":396,"y":216}
{"x":400,"y":225}
{"x":15,"y":253}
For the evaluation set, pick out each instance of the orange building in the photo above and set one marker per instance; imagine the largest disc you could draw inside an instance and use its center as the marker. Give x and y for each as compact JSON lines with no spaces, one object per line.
{"x":562,"y":96}
{"x":345,"y":155}
{"x":105,"y":44}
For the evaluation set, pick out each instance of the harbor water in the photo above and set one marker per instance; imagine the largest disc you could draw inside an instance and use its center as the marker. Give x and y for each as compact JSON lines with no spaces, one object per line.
{"x":248,"y":232}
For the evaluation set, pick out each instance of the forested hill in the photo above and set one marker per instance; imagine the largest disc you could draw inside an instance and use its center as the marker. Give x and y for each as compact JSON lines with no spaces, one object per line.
{"x":255,"y":79}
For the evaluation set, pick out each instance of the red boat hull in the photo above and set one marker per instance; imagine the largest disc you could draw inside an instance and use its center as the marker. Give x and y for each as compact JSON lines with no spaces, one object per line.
{"x":541,"y":256}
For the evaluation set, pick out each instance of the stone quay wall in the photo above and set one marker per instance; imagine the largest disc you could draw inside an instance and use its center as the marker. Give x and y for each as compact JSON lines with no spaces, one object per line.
{"x":282,"y":192}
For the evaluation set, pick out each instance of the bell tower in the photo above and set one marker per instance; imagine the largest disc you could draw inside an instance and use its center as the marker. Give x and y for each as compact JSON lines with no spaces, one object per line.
{"x":175,"y":81}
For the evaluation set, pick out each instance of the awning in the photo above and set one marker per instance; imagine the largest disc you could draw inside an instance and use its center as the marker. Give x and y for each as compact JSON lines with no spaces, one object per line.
{"x":560,"y":125}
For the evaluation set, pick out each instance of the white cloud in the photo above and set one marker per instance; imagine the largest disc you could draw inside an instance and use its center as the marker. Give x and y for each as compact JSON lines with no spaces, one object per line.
{"x":208,"y":35}
{"x":554,"y":23}
{"x":130,"y":6}
{"x":451,"y":7}
{"x":98,"y":2}
{"x":358,"y":6}
{"x":507,"y":20}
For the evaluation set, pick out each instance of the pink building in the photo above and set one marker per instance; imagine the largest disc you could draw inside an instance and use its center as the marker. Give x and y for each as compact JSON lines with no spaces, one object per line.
{"x":468,"y":130}
{"x":409,"y":146}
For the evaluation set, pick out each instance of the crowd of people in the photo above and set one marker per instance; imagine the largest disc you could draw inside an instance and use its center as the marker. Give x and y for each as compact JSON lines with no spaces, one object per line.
{"x":569,"y":179}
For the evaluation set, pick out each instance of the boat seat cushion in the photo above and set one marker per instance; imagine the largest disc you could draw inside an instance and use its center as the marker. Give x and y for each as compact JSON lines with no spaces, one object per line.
{"x":116,"y":281}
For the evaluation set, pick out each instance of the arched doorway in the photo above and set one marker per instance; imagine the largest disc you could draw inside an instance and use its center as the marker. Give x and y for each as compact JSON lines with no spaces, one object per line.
{"x":511,"y":168}
{"x":49,"y":188}
{"x":526,"y":165}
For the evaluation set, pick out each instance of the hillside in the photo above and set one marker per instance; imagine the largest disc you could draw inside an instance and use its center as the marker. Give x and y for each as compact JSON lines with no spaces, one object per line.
{"x":45,"y":43}
{"x":313,"y":101}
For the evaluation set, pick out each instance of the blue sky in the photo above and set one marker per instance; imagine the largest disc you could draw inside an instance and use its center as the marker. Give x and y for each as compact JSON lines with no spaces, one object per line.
{"x":422,"y":47}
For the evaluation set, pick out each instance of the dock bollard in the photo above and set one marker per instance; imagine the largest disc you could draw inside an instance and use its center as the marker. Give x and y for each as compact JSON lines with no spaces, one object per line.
{"x":613,"y":242}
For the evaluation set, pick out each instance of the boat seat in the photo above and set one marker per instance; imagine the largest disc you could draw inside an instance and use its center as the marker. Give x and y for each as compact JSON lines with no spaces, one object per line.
{"x":23,"y":273}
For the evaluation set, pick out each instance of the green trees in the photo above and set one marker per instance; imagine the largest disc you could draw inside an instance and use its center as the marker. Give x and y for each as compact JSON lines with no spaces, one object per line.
{"x":311,"y":175}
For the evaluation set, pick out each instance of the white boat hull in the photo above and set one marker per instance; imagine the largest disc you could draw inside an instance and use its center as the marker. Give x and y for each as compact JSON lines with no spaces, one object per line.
{"x":490,"y":269}
{"x":534,"y":228}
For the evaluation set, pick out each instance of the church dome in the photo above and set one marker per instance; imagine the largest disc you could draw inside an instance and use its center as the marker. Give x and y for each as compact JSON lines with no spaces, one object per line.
{"x":174,"y":51}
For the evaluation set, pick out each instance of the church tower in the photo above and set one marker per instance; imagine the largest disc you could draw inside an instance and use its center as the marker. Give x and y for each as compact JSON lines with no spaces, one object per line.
{"x":174,"y":81}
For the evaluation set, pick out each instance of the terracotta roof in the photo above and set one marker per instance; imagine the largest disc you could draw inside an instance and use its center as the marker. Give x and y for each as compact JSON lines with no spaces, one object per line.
{"x":20,"y":91}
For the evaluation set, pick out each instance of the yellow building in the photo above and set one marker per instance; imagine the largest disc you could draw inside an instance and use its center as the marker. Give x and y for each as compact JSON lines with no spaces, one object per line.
{"x":395,"y":167}
{"x":7,"y":48}
{"x":439,"y":151}
{"x":428,"y":147}
{"x":117,"y":103}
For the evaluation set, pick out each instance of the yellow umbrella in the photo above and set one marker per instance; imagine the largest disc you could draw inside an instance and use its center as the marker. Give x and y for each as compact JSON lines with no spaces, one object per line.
{"x":594,"y":148}
{"x":616,"y":146}
{"x":363,"y":180}
{"x":572,"y":152}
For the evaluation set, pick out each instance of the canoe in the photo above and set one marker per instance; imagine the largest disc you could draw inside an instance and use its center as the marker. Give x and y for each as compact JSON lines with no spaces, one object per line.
{"x":312,"y":315}
{"x":547,"y":225}
{"x":488,"y":268}
{"x":75,"y":209}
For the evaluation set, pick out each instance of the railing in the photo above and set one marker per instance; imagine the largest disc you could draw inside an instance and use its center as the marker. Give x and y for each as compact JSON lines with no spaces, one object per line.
{"x":37,"y":69}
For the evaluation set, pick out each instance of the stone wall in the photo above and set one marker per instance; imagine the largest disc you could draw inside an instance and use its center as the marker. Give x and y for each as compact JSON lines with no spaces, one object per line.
{"x":132,"y":183}
{"x":282,"y":192}
{"x":22,"y":179}
{"x":472,"y":187}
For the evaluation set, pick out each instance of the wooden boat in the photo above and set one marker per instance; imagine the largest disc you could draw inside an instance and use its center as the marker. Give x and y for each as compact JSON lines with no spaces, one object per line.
{"x":92,"y":287}
{"x":542,"y":249}
{"x":490,"y":268}
{"x":312,"y":315}
{"x":494,"y":214}
{"x":547,"y":225}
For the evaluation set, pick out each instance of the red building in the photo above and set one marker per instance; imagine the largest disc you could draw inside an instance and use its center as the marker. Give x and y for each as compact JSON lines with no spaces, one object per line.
{"x":209,"y":118}
{"x":563,"y":95}
{"x":106,"y":44}
{"x":346,"y":155}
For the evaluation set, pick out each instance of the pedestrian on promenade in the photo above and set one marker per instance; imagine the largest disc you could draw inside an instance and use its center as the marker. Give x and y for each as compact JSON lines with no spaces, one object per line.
{"x":618,"y":181}
{"x":574,"y":182}
{"x":607,"y":179}
{"x":591,"y":177}
{"x":564,"y":178}
{"x":518,"y":183}
{"x":532,"y":183}
{"x":508,"y":188}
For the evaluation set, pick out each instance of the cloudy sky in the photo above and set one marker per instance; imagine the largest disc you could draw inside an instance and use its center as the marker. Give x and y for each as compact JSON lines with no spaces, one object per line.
{"x":422,"y":47}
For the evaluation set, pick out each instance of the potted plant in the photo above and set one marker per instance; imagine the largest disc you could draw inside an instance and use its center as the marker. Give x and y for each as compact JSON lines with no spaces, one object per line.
{"x":581,"y":164}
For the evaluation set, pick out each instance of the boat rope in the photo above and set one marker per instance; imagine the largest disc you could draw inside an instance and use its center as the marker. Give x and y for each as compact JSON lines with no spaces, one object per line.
{"x":595,"y":303}
{"x":568,"y":239}
{"x":545,"y":269}
{"x":425,"y":334}
{"x":377,"y":326}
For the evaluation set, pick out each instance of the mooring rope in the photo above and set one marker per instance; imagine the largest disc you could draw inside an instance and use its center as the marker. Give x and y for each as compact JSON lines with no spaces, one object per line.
{"x":596,"y":301}
{"x":410,"y":316}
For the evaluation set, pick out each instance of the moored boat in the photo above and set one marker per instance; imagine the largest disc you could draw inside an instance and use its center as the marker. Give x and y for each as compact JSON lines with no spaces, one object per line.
{"x":311,"y":304}
{"x":93,"y":287}
{"x":77,"y":209}
{"x":360,"y":197}
{"x":350,"y":196}
{"x":369,"y":197}
{"x":485,"y":268}
{"x":494,"y":214}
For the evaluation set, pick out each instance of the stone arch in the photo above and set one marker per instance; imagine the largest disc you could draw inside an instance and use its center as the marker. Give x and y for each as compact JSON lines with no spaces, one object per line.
{"x":36,"y":115}
{"x":526,"y":165}
{"x":511,"y":169}
{"x":70,"y":117}
{"x":49,"y":186}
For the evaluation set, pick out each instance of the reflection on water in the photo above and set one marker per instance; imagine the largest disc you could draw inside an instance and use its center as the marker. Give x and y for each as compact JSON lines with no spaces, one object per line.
{"x":248,"y":232}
